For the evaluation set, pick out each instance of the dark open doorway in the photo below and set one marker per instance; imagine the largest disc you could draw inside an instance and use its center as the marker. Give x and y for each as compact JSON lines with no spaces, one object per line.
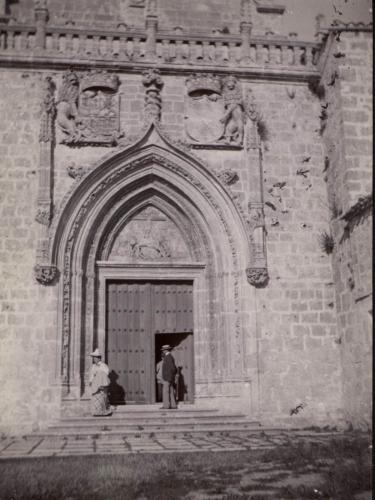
{"x":182,"y":344}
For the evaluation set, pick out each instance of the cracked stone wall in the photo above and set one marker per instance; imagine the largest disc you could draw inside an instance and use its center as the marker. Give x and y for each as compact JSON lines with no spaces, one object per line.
{"x":347,"y":133}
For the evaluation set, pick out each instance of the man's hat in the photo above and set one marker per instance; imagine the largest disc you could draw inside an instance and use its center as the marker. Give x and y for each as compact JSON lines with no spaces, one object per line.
{"x":166,"y":347}
{"x":96,"y":354}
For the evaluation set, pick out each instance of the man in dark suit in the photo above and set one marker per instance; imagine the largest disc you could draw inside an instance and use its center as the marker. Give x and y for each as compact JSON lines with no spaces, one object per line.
{"x":169,"y":371}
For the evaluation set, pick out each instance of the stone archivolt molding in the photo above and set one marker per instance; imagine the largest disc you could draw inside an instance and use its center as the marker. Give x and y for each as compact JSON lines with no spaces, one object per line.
{"x":163,"y":170}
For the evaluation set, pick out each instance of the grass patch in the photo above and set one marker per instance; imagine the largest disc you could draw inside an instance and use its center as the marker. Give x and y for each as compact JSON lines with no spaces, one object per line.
{"x":339,"y":468}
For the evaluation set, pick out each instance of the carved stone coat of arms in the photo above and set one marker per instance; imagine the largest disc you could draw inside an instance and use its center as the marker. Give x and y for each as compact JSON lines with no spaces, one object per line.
{"x":205,"y":108}
{"x":89,"y":109}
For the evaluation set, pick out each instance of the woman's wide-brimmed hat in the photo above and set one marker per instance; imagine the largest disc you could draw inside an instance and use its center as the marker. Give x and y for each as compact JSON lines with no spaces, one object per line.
{"x":96,"y":353}
{"x":166,"y":347}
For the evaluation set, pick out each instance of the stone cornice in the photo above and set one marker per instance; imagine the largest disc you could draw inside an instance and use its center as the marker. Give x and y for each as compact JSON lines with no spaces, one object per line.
{"x":338,"y":25}
{"x":283,"y":73}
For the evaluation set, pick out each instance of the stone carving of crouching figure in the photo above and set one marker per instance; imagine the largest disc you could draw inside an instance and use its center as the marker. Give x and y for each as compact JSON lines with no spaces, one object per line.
{"x":67,"y":111}
{"x":233,"y":118}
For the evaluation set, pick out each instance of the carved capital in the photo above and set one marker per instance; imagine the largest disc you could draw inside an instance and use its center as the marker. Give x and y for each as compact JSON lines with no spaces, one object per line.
{"x":45,"y":274}
{"x":257,"y":277}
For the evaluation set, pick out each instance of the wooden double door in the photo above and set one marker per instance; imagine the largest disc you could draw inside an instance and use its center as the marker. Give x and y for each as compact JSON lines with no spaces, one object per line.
{"x":141,"y":316}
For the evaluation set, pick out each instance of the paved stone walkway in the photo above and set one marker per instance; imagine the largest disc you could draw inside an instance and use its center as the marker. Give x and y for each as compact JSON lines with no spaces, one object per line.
{"x":49,"y":446}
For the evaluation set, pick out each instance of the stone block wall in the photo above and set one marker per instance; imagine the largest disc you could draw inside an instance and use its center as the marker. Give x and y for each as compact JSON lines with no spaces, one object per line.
{"x":307,"y":334}
{"x":295,"y":314}
{"x":29,"y":393}
{"x":211,"y":16}
{"x":297,"y":331}
{"x":347,"y":133}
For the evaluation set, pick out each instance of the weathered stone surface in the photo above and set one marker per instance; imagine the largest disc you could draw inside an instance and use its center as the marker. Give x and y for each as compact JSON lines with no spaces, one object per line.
{"x":349,"y":170}
{"x":302,"y":338}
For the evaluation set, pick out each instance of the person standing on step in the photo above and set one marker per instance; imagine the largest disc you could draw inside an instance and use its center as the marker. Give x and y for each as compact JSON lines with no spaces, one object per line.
{"x":99,"y":383}
{"x":169,"y":371}
{"x":159,"y":379}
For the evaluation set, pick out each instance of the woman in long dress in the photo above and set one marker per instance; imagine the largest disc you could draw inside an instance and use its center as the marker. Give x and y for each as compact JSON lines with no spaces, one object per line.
{"x":99,"y":382}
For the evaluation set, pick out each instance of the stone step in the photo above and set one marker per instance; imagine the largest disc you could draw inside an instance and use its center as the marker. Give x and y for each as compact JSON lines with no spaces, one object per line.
{"x":169,"y":419}
{"x":157,"y":429}
{"x":186,"y":407}
{"x":151,"y":427}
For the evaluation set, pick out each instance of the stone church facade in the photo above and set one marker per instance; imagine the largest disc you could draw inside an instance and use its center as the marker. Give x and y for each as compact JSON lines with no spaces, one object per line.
{"x":185,"y":174}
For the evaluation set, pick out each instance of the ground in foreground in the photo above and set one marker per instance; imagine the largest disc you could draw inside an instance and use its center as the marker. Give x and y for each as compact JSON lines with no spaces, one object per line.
{"x":337,"y":468}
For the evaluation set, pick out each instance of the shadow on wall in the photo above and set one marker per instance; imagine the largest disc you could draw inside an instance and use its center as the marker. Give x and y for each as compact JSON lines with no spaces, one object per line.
{"x":116,"y":391}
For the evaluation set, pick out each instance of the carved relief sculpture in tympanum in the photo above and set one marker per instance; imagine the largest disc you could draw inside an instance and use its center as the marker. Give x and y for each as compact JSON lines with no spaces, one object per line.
{"x":149,"y":236}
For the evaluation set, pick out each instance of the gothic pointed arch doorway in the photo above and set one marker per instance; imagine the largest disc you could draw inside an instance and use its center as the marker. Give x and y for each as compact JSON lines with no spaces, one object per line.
{"x":148,"y":281}
{"x":151,"y":216}
{"x":149,"y":274}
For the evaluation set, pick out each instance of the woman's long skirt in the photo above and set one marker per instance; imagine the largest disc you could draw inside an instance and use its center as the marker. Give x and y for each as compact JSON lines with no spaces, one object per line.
{"x":100,"y":404}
